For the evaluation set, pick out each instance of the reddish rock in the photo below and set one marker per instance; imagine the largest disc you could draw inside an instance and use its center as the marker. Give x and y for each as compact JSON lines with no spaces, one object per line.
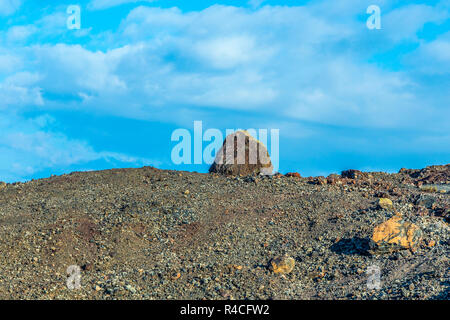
{"x":293,"y":174}
{"x":429,"y":175}
{"x":334,"y":179}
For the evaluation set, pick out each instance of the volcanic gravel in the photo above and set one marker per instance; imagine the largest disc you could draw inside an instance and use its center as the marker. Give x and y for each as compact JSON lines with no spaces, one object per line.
{"x":155,"y":234}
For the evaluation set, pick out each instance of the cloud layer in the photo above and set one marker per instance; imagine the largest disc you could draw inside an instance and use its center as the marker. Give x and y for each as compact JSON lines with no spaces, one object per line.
{"x":316,"y":63}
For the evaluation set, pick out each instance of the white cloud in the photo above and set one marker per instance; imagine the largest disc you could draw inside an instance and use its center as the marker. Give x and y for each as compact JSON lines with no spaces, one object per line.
{"x":20,"y":89}
{"x":230,"y":52}
{"x":404,"y":22}
{"x":20,"y":33}
{"x":71,"y":68}
{"x":8,"y":7}
{"x":432,"y":57}
{"x":105,"y":4}
{"x":27,"y":146}
{"x":53,"y":23}
{"x":355,"y":95}
{"x":255,"y":3}
{"x":292,"y":62}
{"x":286,"y":61}
{"x":9,"y":63}
{"x":46,"y":28}
{"x":440,"y":50}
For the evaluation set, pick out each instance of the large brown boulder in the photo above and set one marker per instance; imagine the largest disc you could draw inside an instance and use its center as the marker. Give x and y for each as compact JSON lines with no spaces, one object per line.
{"x":241,"y":154}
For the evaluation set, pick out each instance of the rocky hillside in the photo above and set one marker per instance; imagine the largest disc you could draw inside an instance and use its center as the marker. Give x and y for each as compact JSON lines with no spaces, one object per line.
{"x":154,"y":234}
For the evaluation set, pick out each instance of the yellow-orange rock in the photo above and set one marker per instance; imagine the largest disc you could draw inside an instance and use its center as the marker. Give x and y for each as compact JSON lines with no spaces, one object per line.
{"x":293,"y":174}
{"x":396,"y":233}
{"x":282,"y":264}
{"x":385,"y":203}
{"x":176,"y":276}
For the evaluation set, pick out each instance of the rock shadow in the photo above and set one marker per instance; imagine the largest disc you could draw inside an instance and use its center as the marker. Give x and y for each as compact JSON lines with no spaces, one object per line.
{"x":353,"y":246}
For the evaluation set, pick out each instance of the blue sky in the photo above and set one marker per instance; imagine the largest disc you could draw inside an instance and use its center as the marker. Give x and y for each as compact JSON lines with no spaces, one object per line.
{"x":110,"y":94}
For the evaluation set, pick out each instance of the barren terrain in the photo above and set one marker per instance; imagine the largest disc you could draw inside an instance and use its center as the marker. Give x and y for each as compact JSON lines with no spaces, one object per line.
{"x":155,"y":234}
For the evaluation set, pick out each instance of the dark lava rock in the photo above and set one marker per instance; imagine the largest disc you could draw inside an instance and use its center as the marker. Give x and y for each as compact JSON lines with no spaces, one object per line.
{"x":352,"y":174}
